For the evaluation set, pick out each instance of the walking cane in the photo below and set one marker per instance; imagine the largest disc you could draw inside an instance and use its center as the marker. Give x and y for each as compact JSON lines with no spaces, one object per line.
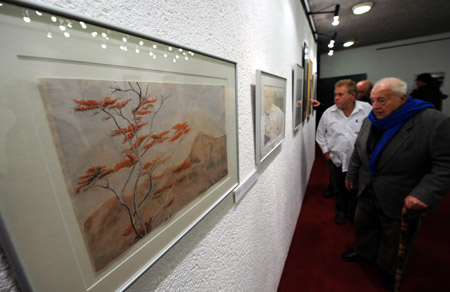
{"x":401,"y":249}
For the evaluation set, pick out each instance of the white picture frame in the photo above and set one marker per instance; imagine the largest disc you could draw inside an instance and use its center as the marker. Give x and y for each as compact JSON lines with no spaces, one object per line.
{"x":297,"y":96}
{"x":64,"y":71}
{"x":270,"y":113}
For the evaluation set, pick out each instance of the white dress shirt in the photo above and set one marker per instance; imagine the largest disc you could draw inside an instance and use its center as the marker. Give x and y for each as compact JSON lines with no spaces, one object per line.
{"x":337,"y":133}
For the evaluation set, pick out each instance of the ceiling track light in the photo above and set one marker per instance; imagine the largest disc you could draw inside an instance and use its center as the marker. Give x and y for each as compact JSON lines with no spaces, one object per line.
{"x":362,"y":8}
{"x":332,"y":41}
{"x":335,"y":11}
{"x":336,"y":15}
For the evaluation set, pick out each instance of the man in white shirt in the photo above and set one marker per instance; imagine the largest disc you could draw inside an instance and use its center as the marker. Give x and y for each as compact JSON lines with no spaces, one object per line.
{"x":336,"y":134}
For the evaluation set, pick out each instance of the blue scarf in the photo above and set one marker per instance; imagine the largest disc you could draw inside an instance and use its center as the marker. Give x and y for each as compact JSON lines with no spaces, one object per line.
{"x":392,"y":125}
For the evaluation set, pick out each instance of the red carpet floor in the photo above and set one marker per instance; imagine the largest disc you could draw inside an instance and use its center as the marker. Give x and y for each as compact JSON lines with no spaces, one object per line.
{"x":314,"y":263}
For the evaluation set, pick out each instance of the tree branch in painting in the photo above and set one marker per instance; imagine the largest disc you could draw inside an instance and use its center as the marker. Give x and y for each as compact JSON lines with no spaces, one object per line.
{"x":131,"y":123}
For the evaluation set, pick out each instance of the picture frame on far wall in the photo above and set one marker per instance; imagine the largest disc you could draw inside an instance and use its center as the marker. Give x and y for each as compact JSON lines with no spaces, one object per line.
{"x":270,"y":113}
{"x":110,"y":153}
{"x":310,"y":88}
{"x":305,"y":97}
{"x":313,"y":90}
{"x":305,"y":54}
{"x":297,"y":96}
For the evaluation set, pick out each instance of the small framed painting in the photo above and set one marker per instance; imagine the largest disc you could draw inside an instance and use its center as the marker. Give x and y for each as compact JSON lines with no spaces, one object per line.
{"x":270,"y":113}
{"x":309,"y":88}
{"x":297,"y":95}
{"x":313,"y":91}
{"x":306,"y":66}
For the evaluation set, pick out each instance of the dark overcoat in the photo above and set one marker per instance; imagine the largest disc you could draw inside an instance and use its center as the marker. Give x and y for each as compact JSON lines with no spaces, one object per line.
{"x":415,"y":162}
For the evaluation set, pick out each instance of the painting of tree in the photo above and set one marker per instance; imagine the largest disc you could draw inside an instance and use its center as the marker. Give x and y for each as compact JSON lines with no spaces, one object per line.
{"x":129,"y":129}
{"x":134,"y":154}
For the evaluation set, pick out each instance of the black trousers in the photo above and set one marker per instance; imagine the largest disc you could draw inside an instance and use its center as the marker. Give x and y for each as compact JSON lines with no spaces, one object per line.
{"x":345,"y":200}
{"x":378,"y":236}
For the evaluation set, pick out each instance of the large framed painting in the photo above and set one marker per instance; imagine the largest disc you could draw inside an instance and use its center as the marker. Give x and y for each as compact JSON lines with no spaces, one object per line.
{"x":305,"y":98}
{"x":297,"y":95}
{"x":270,"y":113}
{"x":113,"y":146}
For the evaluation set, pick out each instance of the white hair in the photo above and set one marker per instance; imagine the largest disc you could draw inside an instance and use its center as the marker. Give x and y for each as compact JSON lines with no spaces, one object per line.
{"x":397,"y":86}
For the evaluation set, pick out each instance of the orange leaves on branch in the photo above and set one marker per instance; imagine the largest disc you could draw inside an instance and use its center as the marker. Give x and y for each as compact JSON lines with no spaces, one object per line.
{"x":147,"y":103}
{"x":137,"y":127}
{"x":130,"y":161}
{"x":117,"y":132}
{"x":107,"y":101}
{"x":143,"y":108}
{"x":176,"y":136}
{"x":180,"y":129}
{"x":119,"y":105}
{"x":157,"y":138}
{"x":105,"y":172}
{"x":184,"y":127}
{"x":129,"y":131}
{"x":143,"y":112}
{"x":139,"y":141}
{"x":161,"y":137}
{"x":85,"y":105}
{"x":149,"y":166}
{"x":93,"y":174}
{"x":128,"y":137}
{"x":185,"y":165}
{"x":150,"y":144}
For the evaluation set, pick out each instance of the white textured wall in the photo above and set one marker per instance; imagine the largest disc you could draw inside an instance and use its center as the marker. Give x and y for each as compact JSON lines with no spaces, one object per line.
{"x":425,"y":54}
{"x":239,"y":247}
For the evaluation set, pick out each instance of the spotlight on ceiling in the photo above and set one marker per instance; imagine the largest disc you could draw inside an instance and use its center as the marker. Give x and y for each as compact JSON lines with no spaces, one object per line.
{"x":349,"y":44}
{"x":336,"y":15}
{"x":362,"y":8}
{"x":335,"y":12}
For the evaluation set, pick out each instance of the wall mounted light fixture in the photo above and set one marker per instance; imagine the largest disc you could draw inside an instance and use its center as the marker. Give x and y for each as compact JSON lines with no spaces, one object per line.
{"x":331,"y":43}
{"x":335,"y":11}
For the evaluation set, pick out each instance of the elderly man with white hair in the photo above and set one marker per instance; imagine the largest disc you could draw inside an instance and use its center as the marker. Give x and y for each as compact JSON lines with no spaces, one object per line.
{"x":401,"y":162}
